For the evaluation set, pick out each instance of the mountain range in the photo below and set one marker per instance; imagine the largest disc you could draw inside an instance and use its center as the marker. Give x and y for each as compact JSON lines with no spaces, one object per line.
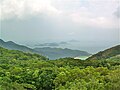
{"x":55,"y":53}
{"x":51,"y":53}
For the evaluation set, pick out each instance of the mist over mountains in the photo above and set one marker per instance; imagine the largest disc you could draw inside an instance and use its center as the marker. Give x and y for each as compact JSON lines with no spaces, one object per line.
{"x":89,"y":46}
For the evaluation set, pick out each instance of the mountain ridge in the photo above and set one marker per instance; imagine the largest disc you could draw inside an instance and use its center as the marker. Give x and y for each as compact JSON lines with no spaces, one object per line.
{"x":61,"y":53}
{"x":13,"y":46}
{"x":107,"y":53}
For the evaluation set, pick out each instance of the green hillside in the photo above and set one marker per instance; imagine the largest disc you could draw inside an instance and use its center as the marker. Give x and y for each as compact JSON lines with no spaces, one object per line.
{"x":108,"y":53}
{"x":25,"y":71}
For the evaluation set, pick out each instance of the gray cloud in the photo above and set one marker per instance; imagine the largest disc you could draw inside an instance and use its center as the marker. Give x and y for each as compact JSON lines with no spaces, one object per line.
{"x":39,"y":20}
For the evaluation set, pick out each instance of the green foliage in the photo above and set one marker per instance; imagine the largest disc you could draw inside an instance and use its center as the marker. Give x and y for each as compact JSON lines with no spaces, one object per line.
{"x":25,"y":71}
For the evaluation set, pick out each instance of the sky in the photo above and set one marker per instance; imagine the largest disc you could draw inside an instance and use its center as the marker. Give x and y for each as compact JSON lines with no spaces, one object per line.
{"x":60,"y":20}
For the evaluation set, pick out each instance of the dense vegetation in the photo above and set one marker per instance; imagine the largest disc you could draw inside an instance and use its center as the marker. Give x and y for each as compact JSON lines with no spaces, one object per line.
{"x":25,"y":71}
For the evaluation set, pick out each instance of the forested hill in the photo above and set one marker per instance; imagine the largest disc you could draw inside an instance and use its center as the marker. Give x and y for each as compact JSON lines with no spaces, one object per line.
{"x":19,"y":55}
{"x":25,"y":71}
{"x":111,"y":52}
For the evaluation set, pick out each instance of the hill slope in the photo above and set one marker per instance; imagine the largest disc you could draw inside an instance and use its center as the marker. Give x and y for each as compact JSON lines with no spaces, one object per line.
{"x":13,"y":46}
{"x":108,"y":53}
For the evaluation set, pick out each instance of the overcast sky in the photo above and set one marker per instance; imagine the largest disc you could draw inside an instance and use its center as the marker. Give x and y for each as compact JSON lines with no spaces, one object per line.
{"x":60,"y":20}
